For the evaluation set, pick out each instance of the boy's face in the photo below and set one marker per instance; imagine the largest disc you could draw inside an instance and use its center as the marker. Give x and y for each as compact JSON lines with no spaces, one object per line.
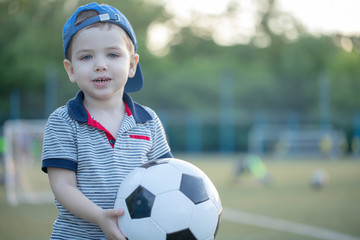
{"x":101,"y":62}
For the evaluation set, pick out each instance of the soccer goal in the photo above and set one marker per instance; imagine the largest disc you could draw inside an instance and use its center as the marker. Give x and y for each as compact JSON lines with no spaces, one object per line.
{"x":24,"y":181}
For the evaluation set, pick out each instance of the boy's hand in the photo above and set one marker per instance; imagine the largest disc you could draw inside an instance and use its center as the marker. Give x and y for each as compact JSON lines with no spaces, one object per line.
{"x":108,"y":223}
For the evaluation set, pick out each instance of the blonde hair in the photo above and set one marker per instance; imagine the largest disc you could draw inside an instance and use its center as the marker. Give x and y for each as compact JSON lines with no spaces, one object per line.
{"x":82,"y":16}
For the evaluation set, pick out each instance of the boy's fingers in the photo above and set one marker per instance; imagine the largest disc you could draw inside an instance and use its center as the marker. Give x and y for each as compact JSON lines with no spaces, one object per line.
{"x":120,"y":211}
{"x":117,"y":212}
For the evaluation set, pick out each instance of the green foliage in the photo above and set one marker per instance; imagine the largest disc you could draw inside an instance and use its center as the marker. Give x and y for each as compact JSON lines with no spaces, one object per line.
{"x":280,"y":77}
{"x":345,"y":73}
{"x":30,"y":42}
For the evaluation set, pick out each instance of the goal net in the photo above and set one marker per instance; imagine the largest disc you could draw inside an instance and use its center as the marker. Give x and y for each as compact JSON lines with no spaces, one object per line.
{"x":24,"y":181}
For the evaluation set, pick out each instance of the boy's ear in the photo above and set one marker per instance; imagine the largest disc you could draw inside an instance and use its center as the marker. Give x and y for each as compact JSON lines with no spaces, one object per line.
{"x":70,"y":70}
{"x":133,"y":64}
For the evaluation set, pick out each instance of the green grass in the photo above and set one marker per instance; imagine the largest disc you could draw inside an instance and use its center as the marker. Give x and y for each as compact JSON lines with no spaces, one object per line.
{"x":25,"y":222}
{"x":335,"y":207}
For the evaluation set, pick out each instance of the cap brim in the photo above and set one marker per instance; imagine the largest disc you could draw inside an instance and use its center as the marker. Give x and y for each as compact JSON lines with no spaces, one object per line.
{"x":135,"y":83}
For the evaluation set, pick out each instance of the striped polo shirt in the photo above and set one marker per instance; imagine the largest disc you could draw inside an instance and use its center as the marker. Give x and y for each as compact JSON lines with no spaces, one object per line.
{"x":74,"y":140}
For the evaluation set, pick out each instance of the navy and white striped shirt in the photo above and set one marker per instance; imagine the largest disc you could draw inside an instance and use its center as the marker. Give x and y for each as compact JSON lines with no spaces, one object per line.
{"x":73,"y":140}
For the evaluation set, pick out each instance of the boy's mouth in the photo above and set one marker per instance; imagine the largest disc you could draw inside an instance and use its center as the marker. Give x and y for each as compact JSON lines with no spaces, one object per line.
{"x":101,"y":80}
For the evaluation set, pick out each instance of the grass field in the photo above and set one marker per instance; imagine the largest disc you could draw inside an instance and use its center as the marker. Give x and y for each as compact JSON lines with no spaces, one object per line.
{"x":288,"y":197}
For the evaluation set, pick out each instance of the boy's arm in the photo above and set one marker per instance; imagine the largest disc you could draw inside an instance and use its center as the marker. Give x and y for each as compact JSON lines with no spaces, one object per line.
{"x":64,"y":187}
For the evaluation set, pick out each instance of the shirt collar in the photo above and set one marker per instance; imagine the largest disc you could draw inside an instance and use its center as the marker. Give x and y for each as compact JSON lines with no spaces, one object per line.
{"x":77,"y":110}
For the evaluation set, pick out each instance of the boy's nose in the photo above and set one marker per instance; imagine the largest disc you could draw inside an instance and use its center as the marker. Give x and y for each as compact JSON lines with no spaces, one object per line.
{"x":100,"y":66}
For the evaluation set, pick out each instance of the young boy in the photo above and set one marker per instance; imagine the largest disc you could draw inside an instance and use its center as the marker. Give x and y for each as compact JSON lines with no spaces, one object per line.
{"x":93,"y":142}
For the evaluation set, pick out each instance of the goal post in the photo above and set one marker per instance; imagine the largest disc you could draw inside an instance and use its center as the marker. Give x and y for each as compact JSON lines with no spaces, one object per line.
{"x":24,"y":181}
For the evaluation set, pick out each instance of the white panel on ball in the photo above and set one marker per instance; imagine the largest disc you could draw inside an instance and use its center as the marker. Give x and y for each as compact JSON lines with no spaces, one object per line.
{"x":213,"y":193}
{"x":172,"y":211}
{"x":205,"y":217}
{"x":162,"y":178}
{"x":186,"y":168}
{"x":145,"y":228}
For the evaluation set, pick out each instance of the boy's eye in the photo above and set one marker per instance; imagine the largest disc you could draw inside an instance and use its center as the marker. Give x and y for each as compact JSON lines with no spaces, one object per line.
{"x":113,"y":55}
{"x":86,"y":57}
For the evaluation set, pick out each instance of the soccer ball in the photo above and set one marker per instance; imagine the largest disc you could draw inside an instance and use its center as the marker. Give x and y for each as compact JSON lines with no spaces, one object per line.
{"x":319,"y":179}
{"x":168,"y":199}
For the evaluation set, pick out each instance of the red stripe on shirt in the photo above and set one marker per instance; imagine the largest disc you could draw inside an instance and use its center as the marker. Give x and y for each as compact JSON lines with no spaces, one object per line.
{"x":140,"y":137}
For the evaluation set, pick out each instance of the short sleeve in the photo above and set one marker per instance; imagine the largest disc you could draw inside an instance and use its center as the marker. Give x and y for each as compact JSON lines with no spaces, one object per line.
{"x":60,"y":145}
{"x":160,"y":147}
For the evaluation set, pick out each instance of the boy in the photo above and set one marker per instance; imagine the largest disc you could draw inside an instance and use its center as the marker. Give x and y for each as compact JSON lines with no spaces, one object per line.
{"x":93,"y":142}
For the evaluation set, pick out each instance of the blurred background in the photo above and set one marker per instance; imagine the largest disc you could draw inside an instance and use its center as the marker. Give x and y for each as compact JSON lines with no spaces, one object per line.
{"x":213,"y":69}
{"x":267,"y":82}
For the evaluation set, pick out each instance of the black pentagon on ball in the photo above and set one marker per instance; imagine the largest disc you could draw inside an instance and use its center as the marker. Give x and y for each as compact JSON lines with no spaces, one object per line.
{"x":154,"y":163}
{"x":140,"y":202}
{"x":193,"y":188}
{"x":185,"y":234}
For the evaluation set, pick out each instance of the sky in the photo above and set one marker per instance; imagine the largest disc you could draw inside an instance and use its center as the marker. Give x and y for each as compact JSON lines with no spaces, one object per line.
{"x":318,"y":17}
{"x":326,"y":16}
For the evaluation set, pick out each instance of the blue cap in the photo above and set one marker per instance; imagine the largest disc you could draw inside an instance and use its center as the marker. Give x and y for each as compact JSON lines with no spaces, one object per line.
{"x":108,"y":14}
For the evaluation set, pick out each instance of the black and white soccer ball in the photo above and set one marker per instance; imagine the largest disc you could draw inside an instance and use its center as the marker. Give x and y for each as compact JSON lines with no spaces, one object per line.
{"x":168,"y":199}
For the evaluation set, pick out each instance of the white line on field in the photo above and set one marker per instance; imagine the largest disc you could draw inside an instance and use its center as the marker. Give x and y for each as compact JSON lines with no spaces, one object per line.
{"x":283,"y":225}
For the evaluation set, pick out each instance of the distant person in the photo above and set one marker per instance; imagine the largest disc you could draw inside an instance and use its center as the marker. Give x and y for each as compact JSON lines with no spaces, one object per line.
{"x":93,"y":142}
{"x":255,"y":166}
